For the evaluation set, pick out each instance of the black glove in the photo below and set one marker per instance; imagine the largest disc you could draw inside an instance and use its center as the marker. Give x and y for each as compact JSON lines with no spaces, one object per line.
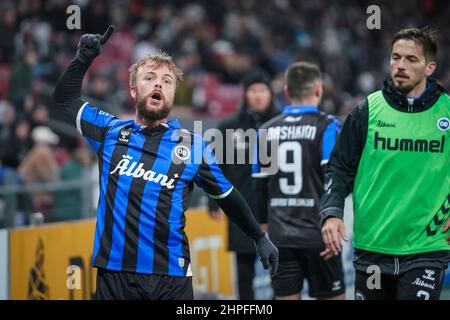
{"x":268,"y":254}
{"x":90,"y":46}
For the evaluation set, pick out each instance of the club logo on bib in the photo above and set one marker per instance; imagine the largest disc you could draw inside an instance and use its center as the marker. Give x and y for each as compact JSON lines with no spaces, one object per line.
{"x":182,"y":152}
{"x":443,"y":124}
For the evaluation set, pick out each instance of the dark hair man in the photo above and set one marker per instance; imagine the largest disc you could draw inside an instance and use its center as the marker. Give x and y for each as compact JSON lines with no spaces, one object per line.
{"x":289,"y":199}
{"x":394,"y":155}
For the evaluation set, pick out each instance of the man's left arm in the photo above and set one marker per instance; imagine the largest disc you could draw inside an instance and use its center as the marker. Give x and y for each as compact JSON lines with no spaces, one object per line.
{"x":213,"y":182}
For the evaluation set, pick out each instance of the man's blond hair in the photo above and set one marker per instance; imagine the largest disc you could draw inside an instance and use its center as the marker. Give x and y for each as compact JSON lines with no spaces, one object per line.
{"x":155,"y":59}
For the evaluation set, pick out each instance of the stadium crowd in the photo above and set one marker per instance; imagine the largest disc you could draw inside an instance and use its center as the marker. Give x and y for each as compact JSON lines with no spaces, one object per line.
{"x":212,"y":42}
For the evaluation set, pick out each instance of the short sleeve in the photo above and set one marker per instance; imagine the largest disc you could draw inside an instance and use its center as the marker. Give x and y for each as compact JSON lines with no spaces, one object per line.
{"x":261,"y":149}
{"x":329,"y":138}
{"x":209,"y":176}
{"x":92,"y":123}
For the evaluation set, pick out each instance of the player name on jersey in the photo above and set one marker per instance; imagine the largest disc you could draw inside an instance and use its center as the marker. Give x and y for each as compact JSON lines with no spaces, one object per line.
{"x":292,"y":202}
{"x":292,"y":132}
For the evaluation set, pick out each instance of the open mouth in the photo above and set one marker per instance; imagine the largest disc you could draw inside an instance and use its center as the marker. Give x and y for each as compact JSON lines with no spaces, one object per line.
{"x":156,"y":97}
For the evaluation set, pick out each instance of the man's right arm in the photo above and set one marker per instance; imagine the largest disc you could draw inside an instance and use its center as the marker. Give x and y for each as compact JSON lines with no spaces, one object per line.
{"x":67,"y":94}
{"x":344,"y":161}
{"x":340,"y":177}
{"x":91,"y":122}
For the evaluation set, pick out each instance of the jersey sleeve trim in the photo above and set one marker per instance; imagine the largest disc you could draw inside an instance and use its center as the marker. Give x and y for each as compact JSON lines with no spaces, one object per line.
{"x":260,"y":175}
{"x":78,"y":121}
{"x":221,"y":196}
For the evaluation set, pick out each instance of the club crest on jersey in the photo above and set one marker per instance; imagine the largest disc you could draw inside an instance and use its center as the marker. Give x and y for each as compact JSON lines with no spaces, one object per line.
{"x":443,"y":124}
{"x":136,"y":170}
{"x":124,"y":135}
{"x":182,"y":152}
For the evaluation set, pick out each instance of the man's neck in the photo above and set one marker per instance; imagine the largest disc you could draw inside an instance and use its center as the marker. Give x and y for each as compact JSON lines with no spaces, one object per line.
{"x":418,"y":90}
{"x":306,"y":102}
{"x":151,"y":124}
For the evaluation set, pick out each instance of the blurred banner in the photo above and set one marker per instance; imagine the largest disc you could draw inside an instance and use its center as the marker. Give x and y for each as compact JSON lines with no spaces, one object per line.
{"x":43,"y":260}
{"x":3,"y":264}
{"x":213,"y":265}
{"x":53,"y":261}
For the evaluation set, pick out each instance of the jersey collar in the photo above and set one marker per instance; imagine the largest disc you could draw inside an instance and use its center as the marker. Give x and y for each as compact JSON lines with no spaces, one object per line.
{"x":300,"y":109}
{"x":174,"y":124}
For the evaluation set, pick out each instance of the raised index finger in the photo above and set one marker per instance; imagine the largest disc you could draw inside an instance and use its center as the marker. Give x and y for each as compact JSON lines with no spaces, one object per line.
{"x":107,"y":34}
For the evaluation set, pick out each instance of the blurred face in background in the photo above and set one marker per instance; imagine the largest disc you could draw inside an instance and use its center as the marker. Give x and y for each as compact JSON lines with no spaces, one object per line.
{"x":23,"y":131}
{"x":154,"y":92}
{"x":40,"y":114}
{"x":258,"y":97}
{"x":409,"y":66}
{"x":101,"y":86}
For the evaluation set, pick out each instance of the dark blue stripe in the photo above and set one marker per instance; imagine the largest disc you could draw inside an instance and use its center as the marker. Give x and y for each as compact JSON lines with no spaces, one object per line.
{"x":149,"y":204}
{"x":95,"y":144}
{"x":222,"y":182}
{"x":175,"y":242}
{"x":121,"y":203}
{"x":108,"y":150}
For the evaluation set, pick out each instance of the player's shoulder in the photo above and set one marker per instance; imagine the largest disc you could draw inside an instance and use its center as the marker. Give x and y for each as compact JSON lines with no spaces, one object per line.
{"x":277,"y":120}
{"x":186,"y":136}
{"x":329,"y":118}
{"x":92,"y":113}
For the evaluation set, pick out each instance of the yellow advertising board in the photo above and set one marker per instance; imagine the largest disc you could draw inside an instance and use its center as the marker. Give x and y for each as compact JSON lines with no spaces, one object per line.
{"x":212,"y":265}
{"x":42,"y":259}
{"x":53,"y":261}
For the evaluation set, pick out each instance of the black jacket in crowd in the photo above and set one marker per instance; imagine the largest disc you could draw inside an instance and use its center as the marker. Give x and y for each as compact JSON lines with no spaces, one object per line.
{"x":240,"y":174}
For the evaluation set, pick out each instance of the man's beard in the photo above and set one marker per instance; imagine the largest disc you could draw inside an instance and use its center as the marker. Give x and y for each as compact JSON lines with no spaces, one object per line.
{"x":405,"y":89}
{"x":153,"y":114}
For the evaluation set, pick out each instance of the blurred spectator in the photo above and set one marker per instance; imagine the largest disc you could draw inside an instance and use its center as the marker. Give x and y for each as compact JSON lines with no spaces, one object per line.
{"x":222,"y":38}
{"x":40,"y":166}
{"x":214,"y":43}
{"x":101,"y":91}
{"x":39,"y":116}
{"x":14,"y":147}
{"x":7,"y":118}
{"x":20,"y":81}
{"x":258,"y":105}
{"x":68,"y":204}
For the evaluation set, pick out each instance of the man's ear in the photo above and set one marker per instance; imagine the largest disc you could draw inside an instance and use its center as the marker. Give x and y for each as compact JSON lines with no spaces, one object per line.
{"x":318,"y":89}
{"x":431,"y":66}
{"x":133,"y":92}
{"x":286,"y":91}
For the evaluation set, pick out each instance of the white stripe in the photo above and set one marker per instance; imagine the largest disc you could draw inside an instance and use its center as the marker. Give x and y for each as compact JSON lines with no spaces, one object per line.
{"x":323,"y":162}
{"x":80,"y":112}
{"x":397,"y":266}
{"x":331,"y":208}
{"x":260,"y":175}
{"x":223,"y":195}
